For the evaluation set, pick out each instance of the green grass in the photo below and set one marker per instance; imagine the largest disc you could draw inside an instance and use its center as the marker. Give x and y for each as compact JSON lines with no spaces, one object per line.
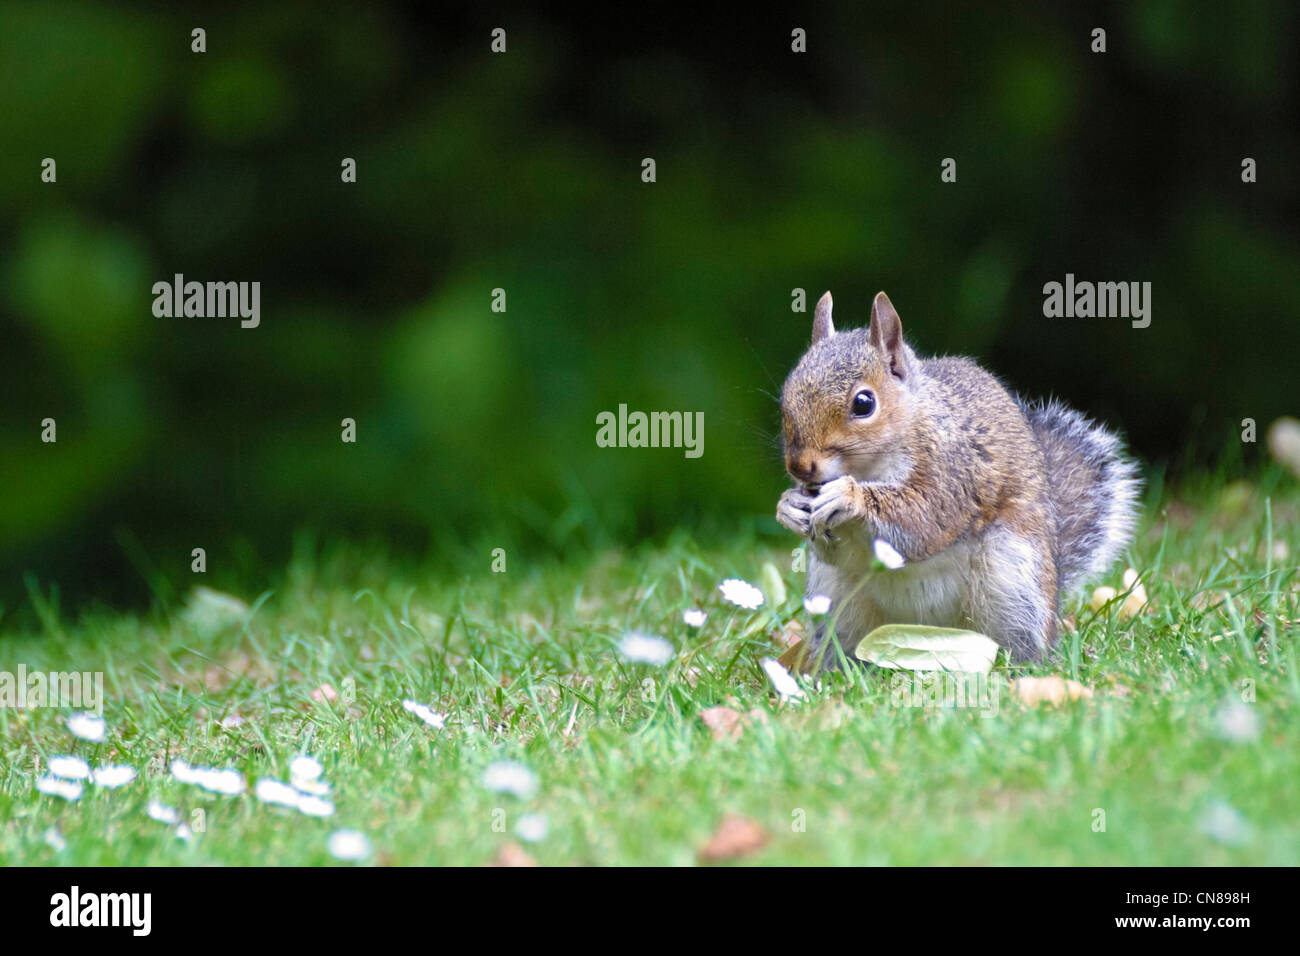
{"x":525,"y":666}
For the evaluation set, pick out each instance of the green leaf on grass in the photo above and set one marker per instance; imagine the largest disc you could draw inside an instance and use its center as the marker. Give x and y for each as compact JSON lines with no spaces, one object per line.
{"x":916,"y":647}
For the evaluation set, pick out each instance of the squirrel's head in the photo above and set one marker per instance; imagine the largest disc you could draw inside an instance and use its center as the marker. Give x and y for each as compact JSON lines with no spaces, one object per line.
{"x":847,"y":408}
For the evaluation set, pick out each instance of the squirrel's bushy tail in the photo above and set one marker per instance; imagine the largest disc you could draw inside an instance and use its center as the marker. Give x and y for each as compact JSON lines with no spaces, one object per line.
{"x":1094,"y":489}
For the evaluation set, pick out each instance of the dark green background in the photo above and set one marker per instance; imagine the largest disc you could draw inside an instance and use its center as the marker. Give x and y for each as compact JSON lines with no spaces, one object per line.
{"x":522,"y":171}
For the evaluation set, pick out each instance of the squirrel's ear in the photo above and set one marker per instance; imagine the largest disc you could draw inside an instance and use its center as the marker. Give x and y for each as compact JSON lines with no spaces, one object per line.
{"x":887,"y":335}
{"x":822,"y":324}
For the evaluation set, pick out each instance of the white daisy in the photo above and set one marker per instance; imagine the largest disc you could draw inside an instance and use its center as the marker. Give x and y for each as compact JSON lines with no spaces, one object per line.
{"x":1235,"y":721}
{"x":349,"y":845}
{"x":163,"y":813}
{"x":531,"y":827}
{"x":646,"y":649}
{"x":1223,"y":822}
{"x":67,"y":789}
{"x":88,"y":727}
{"x":306,"y":768}
{"x":229,"y":782}
{"x":817,"y":605}
{"x":69,"y":768}
{"x":509,"y":776}
{"x":785,"y":685}
{"x":694,"y":617}
{"x":113,"y":775}
{"x":315,"y":806}
{"x":886,"y":555}
{"x":273,"y":791}
{"x":426,"y":714}
{"x":741,"y":593}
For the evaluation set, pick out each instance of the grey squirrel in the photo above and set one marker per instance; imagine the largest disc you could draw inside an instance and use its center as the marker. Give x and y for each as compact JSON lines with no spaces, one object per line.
{"x":996,"y":504}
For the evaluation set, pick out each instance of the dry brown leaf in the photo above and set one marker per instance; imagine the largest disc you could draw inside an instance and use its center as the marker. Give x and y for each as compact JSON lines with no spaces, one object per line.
{"x":729,"y":723}
{"x":833,"y":715}
{"x":791,"y":634}
{"x":1133,"y":604}
{"x":1101,"y":597}
{"x":797,"y":660}
{"x":723,"y":721}
{"x":736,"y":836}
{"x":512,"y":854}
{"x":1048,"y":690}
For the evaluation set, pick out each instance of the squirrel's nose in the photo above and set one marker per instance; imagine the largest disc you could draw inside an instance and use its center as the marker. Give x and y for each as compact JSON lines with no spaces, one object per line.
{"x":803,"y":466}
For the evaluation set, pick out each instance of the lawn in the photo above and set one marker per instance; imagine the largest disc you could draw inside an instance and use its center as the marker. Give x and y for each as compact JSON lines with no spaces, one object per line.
{"x":556,"y":747}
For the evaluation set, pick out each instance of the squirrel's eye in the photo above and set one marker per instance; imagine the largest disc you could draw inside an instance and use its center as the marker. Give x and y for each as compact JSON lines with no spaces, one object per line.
{"x":864,"y":403}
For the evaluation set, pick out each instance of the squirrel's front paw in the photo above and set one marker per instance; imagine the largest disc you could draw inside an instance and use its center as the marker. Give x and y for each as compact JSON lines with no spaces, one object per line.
{"x":838,"y":501}
{"x":793,"y":511}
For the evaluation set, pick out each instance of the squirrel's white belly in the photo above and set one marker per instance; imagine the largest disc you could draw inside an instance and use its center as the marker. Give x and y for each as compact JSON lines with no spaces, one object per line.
{"x":934,"y":591}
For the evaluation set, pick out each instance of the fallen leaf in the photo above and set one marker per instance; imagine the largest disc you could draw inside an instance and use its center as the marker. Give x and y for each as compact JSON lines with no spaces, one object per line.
{"x":512,"y":854}
{"x":1137,"y":598}
{"x":1048,"y":690}
{"x":736,"y":836}
{"x":210,"y":612}
{"x":1134,"y":601}
{"x":723,"y":721}
{"x":833,"y":715}
{"x":797,"y":660}
{"x":1101,"y":597}
{"x":791,"y":634}
{"x":916,"y":647}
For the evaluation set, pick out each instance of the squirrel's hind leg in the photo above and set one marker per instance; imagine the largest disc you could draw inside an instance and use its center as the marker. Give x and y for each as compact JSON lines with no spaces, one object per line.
{"x":1014,"y":594}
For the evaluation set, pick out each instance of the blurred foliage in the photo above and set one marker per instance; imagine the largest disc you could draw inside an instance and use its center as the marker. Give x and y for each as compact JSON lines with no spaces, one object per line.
{"x":522,"y":171}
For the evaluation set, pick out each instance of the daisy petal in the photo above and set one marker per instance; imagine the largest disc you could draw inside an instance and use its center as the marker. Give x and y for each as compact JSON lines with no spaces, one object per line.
{"x":69,"y":768}
{"x":349,"y":845}
{"x":426,"y":714}
{"x":785,"y":685}
{"x":646,"y":649}
{"x":886,"y":555}
{"x":741,"y":593}
{"x":508,"y":776}
{"x":67,"y":789}
{"x":112,"y":775}
{"x":88,"y":727}
{"x":817,"y":604}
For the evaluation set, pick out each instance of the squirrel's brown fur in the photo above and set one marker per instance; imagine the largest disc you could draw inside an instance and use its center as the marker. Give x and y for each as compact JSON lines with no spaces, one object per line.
{"x":996,"y":505}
